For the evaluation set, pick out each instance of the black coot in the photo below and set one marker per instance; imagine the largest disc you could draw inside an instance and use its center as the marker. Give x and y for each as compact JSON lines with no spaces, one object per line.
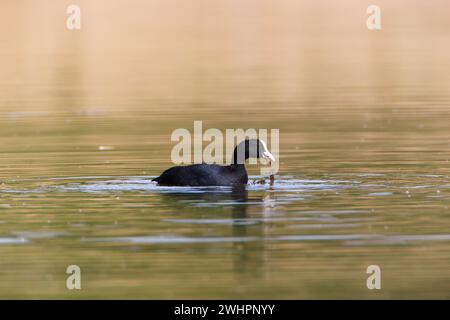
{"x":217,"y":175}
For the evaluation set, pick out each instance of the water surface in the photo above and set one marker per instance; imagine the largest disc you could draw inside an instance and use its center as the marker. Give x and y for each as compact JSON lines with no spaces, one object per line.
{"x":85,"y":123}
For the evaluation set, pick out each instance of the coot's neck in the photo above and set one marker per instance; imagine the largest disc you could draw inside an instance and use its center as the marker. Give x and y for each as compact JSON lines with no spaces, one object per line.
{"x":237,"y":168}
{"x":235,"y":159}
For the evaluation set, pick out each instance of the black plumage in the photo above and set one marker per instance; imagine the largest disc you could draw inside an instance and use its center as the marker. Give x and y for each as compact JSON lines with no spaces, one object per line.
{"x":213,"y":174}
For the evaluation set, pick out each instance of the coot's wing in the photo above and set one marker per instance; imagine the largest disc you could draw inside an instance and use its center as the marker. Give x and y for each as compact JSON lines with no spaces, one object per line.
{"x":195,"y":175}
{"x":208,"y":175}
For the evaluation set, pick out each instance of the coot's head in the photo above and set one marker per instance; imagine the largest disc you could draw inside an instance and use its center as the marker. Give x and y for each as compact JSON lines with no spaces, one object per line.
{"x":253,"y":148}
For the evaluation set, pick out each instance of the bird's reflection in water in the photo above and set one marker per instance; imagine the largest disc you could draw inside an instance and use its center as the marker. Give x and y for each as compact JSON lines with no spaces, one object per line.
{"x":248,"y":247}
{"x":248,"y":256}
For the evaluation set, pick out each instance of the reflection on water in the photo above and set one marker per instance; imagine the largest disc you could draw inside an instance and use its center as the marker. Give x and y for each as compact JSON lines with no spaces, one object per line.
{"x":85,"y":123}
{"x":230,"y":241}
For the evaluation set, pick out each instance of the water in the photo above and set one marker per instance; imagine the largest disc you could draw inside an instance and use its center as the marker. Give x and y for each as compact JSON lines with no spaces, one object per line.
{"x":299,"y":238}
{"x":85,"y":124}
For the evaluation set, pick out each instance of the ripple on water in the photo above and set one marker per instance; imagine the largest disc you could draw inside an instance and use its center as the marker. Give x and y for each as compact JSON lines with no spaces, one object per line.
{"x":105,"y":184}
{"x":348,"y":239}
{"x":145,"y":184}
{"x":13,"y":241}
{"x":381,"y":194}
